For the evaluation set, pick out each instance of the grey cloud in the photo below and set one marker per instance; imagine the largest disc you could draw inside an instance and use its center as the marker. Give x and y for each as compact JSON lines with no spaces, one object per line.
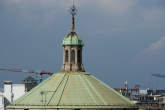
{"x":31,"y":32}
{"x":153,"y":54}
{"x":155,"y":47}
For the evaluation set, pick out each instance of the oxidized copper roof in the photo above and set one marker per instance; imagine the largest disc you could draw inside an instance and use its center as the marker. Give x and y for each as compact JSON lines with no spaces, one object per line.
{"x":75,"y":90}
{"x":72,"y":39}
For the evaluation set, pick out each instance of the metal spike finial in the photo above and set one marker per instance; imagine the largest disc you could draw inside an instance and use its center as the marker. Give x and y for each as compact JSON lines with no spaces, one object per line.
{"x":73,"y":12}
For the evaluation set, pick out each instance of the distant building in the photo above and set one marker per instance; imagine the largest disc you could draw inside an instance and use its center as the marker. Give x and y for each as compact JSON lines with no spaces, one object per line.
{"x":1,"y":101}
{"x":12,"y":92}
{"x":30,"y":83}
{"x":145,"y":99}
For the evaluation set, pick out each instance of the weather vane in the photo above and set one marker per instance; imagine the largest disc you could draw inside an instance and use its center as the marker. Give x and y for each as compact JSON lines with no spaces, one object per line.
{"x":73,"y":12}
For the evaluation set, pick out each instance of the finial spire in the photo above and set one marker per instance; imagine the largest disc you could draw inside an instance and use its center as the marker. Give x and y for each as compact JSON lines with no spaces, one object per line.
{"x":73,"y":12}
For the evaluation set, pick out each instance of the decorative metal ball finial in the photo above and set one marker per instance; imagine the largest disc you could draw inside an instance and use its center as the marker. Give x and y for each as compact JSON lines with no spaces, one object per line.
{"x":73,"y":10}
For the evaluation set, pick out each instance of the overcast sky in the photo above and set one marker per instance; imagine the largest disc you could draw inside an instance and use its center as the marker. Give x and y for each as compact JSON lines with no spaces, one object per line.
{"x":124,"y":39}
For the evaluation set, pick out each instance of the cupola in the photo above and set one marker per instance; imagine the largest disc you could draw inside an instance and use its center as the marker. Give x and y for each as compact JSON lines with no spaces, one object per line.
{"x":72,"y":49}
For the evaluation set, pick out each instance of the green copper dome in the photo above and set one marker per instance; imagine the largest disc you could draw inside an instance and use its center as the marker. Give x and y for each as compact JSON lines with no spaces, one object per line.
{"x":72,"y":39}
{"x":70,"y":91}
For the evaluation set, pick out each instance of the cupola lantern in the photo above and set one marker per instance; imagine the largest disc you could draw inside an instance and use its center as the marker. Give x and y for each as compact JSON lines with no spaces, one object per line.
{"x":72,"y":49}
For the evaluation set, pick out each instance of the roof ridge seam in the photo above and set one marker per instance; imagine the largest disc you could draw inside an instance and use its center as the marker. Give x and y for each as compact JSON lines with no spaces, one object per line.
{"x":82,"y":78}
{"x":30,"y":92}
{"x":90,"y":84}
{"x":124,"y":98}
{"x":63,"y":90}
{"x":56,"y":89}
